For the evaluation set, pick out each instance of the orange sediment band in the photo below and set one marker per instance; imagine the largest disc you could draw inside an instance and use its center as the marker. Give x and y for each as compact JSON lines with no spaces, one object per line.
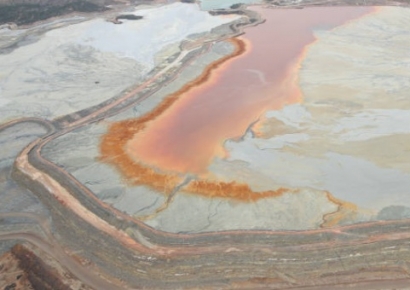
{"x":113,"y":150}
{"x":231,"y":190}
{"x":240,"y":48}
{"x":344,"y":210}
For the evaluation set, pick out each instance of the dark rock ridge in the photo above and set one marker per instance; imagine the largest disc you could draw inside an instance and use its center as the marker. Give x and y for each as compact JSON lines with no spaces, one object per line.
{"x":40,"y":275}
{"x":129,"y":17}
{"x":23,"y":12}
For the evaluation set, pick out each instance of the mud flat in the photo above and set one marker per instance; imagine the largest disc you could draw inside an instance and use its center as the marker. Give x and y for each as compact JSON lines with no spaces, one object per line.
{"x":78,"y":152}
{"x":188,"y":134}
{"x":14,"y":197}
{"x":348,"y":135}
{"x":170,"y":212}
{"x":81,"y":65}
{"x":181,"y":142}
{"x":372,"y":255}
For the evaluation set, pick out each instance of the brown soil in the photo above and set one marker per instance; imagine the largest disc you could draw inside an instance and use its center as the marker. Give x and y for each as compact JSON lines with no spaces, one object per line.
{"x":12,"y":276}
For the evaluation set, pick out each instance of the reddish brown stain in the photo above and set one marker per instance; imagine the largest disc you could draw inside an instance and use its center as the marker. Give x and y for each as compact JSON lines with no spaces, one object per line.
{"x":146,"y":147}
{"x":113,"y":143}
{"x":222,"y":103}
{"x":231,"y":190}
{"x":344,"y":210}
{"x":113,"y":150}
{"x":187,"y":129}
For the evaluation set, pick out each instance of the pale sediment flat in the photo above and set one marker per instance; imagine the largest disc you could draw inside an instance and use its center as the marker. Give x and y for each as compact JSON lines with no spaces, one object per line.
{"x":189,"y":213}
{"x":190,"y":72}
{"x":15,"y":198}
{"x":350,"y":134}
{"x":12,"y":141}
{"x":375,"y":255}
{"x":15,"y":138}
{"x":80,"y":65}
{"x":78,"y":151}
{"x":334,"y":141}
{"x":8,"y":37}
{"x":13,"y":37}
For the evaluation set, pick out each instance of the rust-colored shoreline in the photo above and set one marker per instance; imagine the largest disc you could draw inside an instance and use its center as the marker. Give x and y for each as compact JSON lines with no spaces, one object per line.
{"x":232,"y":190}
{"x":344,"y":209}
{"x":116,"y":148}
{"x":376,"y":235}
{"x":113,"y":143}
{"x":113,"y":148}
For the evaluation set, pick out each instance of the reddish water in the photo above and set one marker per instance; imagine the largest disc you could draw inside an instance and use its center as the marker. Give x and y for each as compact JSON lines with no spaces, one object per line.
{"x":191,"y":132}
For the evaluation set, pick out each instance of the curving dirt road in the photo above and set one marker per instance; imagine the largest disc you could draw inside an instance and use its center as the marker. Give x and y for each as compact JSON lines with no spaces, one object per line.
{"x":51,"y":247}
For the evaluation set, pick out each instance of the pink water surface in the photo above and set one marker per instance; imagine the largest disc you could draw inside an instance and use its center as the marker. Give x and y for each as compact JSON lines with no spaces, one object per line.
{"x":191,"y":132}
